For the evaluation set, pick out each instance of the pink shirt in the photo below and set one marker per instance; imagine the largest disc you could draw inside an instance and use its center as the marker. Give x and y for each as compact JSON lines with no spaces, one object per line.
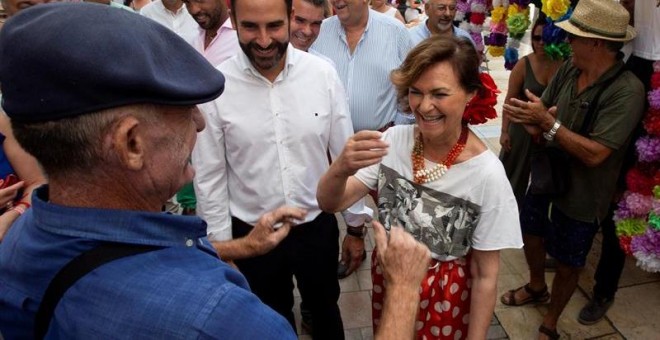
{"x":221,"y":48}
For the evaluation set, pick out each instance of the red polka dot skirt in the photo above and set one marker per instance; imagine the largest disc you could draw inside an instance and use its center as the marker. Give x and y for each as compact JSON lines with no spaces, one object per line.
{"x":444,"y":308}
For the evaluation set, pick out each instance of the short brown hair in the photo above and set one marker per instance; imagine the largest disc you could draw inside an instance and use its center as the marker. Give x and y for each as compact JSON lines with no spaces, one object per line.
{"x":459,"y":52}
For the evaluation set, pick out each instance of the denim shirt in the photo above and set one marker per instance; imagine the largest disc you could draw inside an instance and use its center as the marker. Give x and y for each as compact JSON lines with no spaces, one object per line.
{"x":180,"y":292}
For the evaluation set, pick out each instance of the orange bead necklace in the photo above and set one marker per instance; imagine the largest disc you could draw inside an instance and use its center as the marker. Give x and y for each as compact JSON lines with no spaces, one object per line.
{"x":423,"y":175}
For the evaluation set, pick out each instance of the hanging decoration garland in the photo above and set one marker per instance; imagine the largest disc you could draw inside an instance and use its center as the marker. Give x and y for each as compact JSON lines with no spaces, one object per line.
{"x":471,"y":15}
{"x":554,"y":38}
{"x":637,"y":218}
{"x":517,"y":23}
{"x":496,"y":40}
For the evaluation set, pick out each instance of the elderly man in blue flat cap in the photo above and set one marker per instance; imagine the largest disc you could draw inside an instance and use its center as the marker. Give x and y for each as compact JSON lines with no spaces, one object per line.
{"x":115,"y":140}
{"x":94,"y":257}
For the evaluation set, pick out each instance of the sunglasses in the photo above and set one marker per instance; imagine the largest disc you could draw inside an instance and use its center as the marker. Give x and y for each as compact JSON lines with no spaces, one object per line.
{"x":537,"y":37}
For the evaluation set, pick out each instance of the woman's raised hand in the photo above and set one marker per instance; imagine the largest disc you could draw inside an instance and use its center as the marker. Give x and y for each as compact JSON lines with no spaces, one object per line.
{"x":363,"y":149}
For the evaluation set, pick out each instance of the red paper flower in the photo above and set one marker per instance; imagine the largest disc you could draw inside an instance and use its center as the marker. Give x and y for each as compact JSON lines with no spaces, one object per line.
{"x":655,"y":80}
{"x":624,"y":243}
{"x":482,"y":106}
{"x":477,"y":18}
{"x":652,"y":122}
{"x":639,"y":182}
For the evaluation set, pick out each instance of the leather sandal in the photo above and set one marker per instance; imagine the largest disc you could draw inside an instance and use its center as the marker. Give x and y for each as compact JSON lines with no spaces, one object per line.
{"x":551,"y":333}
{"x":509,"y":298}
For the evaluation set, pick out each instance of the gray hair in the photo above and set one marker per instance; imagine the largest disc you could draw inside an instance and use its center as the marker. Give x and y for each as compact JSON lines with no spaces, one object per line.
{"x":74,"y":145}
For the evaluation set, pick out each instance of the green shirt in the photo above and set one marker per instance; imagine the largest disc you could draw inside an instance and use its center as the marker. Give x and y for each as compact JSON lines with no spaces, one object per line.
{"x":618,"y":111}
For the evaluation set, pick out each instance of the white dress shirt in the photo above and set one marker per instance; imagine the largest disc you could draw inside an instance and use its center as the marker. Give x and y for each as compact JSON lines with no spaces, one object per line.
{"x":265,"y":144}
{"x":647,"y":24}
{"x":180,"y":22}
{"x":222,"y":47}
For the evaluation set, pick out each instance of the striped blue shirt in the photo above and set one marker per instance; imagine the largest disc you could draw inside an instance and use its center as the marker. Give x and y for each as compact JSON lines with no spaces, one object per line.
{"x":366,"y":73}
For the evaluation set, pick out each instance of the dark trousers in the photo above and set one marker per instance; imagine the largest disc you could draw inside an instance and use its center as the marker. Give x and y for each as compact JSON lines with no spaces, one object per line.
{"x":612,"y":259}
{"x":643,"y":69}
{"x":310,"y":253}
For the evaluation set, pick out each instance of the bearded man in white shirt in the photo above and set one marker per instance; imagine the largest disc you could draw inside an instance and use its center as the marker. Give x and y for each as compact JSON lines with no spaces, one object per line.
{"x":266,"y":143}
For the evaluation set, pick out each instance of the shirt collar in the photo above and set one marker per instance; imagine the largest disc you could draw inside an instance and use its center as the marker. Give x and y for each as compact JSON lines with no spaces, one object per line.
{"x":113,"y":225}
{"x":370,"y":19}
{"x":224,"y":27}
{"x":605,"y":77}
{"x":425,"y":28}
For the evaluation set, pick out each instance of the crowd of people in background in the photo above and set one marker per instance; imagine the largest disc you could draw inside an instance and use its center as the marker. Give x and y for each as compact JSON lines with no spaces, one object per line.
{"x":177,"y":191}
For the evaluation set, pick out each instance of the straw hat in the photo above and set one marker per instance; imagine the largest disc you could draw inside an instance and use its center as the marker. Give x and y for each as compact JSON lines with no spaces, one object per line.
{"x":600,"y":19}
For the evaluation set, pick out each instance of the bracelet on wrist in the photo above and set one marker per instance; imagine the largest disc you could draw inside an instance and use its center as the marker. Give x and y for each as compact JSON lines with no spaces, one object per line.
{"x":356,"y":231}
{"x":550,"y":135}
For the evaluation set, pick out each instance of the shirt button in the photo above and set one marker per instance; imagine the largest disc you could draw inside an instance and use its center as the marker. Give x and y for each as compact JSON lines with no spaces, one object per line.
{"x":189,"y":243}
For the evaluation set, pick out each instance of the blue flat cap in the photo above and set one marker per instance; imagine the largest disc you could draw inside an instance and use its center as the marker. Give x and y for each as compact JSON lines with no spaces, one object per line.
{"x":62,"y":60}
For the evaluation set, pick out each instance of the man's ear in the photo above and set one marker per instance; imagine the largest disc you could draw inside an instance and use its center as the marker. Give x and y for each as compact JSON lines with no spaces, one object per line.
{"x":128,"y":141}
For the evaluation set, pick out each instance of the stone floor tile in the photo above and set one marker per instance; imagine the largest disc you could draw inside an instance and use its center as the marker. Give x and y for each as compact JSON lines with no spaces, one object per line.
{"x":369,"y":242}
{"x":519,"y":322}
{"x":353,"y":334}
{"x":570,"y":327}
{"x":367,"y":333}
{"x":349,"y":284}
{"x":355,"y":309}
{"x":364,"y":279}
{"x":296,"y":315}
{"x":296,"y":292}
{"x":494,"y":321}
{"x":366,"y":264}
{"x":613,"y":336}
{"x":513,"y":261}
{"x":496,"y":332}
{"x":305,"y":337}
{"x":635,"y":311}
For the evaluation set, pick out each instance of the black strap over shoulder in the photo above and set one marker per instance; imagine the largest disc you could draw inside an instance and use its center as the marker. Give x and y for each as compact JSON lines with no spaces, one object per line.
{"x":590,"y":116}
{"x":76,"y":269}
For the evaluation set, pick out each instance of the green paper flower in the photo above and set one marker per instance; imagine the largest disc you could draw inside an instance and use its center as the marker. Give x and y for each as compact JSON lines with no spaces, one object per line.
{"x":654,"y":220}
{"x":656,"y":191}
{"x":558,"y":51}
{"x":630,"y":227}
{"x":517,"y":24}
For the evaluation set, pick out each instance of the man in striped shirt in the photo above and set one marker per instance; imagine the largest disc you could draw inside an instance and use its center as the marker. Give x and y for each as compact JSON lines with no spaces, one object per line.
{"x":365,"y":47}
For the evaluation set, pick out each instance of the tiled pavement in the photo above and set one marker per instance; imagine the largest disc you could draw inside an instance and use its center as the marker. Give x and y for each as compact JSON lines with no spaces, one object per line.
{"x":633,"y":315}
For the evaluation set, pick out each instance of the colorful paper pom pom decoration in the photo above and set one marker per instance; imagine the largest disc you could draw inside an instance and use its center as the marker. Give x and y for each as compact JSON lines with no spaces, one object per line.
{"x":471,"y":15}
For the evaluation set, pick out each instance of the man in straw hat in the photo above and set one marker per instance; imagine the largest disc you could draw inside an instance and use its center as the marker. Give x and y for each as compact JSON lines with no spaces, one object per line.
{"x":588,"y":113}
{"x":115,"y":139}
